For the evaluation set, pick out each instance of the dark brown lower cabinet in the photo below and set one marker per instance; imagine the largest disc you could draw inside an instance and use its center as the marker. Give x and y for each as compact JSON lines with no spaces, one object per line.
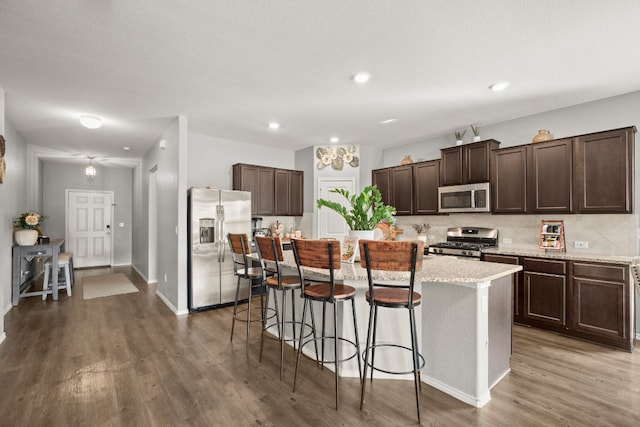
{"x":599,"y":301}
{"x":545,"y":292}
{"x":586,"y":300}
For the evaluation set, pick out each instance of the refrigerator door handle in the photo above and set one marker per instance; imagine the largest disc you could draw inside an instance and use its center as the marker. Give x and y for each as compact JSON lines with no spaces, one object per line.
{"x":221,"y":234}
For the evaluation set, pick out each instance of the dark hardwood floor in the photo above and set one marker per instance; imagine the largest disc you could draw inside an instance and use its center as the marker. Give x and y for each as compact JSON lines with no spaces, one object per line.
{"x":127,"y":360}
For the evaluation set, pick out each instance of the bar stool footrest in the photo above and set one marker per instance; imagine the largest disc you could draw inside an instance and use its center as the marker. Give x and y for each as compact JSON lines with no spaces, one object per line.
{"x":355,"y":354}
{"x":420,"y":358}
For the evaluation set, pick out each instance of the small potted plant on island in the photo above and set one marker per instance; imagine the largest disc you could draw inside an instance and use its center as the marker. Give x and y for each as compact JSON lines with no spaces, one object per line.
{"x":26,"y":228}
{"x":459,"y":135}
{"x":422,"y":230}
{"x":366,"y":210}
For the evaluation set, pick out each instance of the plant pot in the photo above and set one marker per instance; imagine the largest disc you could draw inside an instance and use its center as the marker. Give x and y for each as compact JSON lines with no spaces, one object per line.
{"x":358,"y":235}
{"x":25,"y":237}
{"x":422,"y":237}
{"x":476,"y":138}
{"x":458,"y":142}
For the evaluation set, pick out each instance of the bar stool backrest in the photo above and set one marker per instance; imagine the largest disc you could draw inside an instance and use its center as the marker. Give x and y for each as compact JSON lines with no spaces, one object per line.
{"x":321,"y":254}
{"x":392,"y":256}
{"x":239,"y":245}
{"x":270,"y":249}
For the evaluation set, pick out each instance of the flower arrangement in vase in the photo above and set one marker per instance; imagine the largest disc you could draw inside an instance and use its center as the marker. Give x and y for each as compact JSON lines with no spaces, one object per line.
{"x":26,"y":227}
{"x":422,"y":230}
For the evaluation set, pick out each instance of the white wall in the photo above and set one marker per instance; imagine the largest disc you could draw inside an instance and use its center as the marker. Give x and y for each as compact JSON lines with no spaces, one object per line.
{"x":58,"y":176}
{"x":210,"y":159}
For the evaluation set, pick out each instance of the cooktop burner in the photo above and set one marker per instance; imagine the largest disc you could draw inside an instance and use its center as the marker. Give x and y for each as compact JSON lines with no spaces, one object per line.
{"x":465,"y":241}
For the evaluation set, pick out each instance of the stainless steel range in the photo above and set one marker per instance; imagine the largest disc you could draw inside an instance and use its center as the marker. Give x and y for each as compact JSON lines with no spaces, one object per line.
{"x":466,"y":241}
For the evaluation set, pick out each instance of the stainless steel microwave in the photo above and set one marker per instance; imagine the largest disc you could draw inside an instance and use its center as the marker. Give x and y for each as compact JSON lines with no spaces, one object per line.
{"x":464,"y":198}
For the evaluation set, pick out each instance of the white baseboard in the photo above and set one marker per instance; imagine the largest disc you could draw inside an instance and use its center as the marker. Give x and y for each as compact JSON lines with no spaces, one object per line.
{"x":171,"y":306}
{"x":139,"y":272}
{"x":2,"y":337}
{"x":7,"y":309}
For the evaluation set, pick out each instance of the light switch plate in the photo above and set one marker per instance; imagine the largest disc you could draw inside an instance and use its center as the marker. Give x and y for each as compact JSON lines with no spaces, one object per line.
{"x":581,"y":244}
{"x":507,"y":241}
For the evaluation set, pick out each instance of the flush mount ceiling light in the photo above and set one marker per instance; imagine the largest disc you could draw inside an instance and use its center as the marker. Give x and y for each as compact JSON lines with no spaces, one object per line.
{"x":274,"y":125}
{"x":126,"y":148}
{"x":361,"y":78}
{"x":334,"y":139}
{"x":497,"y":87}
{"x":386,"y":122}
{"x":90,"y":170}
{"x":91,"y":122}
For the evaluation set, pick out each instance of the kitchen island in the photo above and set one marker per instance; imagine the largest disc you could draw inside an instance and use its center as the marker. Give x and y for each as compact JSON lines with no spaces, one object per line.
{"x":465,"y":328}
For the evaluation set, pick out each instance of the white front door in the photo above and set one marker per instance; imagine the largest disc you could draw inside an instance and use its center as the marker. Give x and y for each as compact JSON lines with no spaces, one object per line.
{"x":330,"y":223}
{"x":89,"y":226}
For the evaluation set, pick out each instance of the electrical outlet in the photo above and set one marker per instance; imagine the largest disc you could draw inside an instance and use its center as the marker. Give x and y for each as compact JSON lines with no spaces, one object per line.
{"x":581,"y":244}
{"x":507,"y":241}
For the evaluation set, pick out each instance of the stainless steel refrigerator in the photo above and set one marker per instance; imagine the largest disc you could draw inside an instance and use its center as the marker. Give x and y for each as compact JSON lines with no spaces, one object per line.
{"x":212,"y":214}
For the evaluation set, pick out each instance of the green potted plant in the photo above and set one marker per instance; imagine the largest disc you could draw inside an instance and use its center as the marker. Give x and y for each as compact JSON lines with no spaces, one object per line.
{"x":476,"y":132}
{"x":459,"y":135}
{"x":366,"y":210}
{"x":26,"y":227}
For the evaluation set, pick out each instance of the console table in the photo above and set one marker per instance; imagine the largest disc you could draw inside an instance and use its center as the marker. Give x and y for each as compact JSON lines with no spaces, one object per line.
{"x":23,"y":271}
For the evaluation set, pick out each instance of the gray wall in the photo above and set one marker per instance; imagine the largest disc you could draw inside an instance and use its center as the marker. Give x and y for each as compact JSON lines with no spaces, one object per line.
{"x":58,"y":176}
{"x":13,"y":201}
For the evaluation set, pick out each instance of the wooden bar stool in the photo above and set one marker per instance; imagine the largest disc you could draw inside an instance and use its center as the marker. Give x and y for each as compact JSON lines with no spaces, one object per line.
{"x":64,"y":263}
{"x":392,"y":256}
{"x":270,"y":250}
{"x":239,"y":245}
{"x":325,"y":255}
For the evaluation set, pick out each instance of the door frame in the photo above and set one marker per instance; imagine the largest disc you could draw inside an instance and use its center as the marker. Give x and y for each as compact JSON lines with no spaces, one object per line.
{"x":111,"y":212}
{"x":322,"y":182}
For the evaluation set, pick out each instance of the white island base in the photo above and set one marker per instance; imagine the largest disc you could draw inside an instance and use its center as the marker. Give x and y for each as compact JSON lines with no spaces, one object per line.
{"x":464,"y":332}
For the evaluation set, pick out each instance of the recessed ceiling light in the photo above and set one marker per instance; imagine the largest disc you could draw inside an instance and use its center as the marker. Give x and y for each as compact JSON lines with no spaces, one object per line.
{"x":497,"y":87}
{"x":274,"y":125}
{"x":334,"y":139}
{"x":126,"y":148}
{"x":91,"y":122}
{"x":384,"y":122}
{"x":361,"y":77}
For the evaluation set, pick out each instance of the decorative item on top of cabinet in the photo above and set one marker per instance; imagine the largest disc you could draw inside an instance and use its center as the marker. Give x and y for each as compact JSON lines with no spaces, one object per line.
{"x":459,"y":135}
{"x":407,"y":160}
{"x":552,"y":235}
{"x":542,"y":135}
{"x":476,"y":132}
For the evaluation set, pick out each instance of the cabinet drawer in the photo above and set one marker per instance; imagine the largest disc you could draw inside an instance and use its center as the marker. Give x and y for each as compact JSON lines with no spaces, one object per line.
{"x":608,"y":272}
{"x":504,"y":259}
{"x":545,"y":266}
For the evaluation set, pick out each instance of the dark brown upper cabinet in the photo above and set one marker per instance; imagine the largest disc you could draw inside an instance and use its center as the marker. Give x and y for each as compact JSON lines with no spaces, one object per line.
{"x":411,"y":189}
{"x":603,"y":177}
{"x":509,"y":180}
{"x":402,"y":189}
{"x":382,"y":179}
{"x":426,"y":180}
{"x":550,"y":177}
{"x":467,"y":164}
{"x":273,"y":191}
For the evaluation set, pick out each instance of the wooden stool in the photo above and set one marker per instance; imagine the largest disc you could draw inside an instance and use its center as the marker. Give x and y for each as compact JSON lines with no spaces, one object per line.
{"x":324,"y":254}
{"x":392,"y":256}
{"x":239,"y":245}
{"x":64,"y":262}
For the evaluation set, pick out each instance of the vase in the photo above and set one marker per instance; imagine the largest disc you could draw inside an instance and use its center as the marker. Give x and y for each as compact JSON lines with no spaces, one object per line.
{"x":543,"y":135}
{"x":25,"y":237}
{"x":358,"y":235}
{"x":407,"y":160}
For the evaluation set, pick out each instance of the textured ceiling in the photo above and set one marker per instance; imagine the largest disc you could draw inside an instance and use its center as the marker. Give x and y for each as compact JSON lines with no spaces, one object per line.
{"x":232,"y":66}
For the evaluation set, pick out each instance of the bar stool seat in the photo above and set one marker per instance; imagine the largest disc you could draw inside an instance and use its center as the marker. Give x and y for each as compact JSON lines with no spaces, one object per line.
{"x":392,"y":256}
{"x":64,"y":263}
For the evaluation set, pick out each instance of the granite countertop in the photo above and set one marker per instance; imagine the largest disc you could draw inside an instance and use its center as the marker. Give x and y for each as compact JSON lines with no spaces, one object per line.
{"x":567,"y":256}
{"x":435,"y":268}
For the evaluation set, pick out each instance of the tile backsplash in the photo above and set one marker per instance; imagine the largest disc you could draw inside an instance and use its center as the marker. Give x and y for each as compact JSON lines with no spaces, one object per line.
{"x":605,"y":234}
